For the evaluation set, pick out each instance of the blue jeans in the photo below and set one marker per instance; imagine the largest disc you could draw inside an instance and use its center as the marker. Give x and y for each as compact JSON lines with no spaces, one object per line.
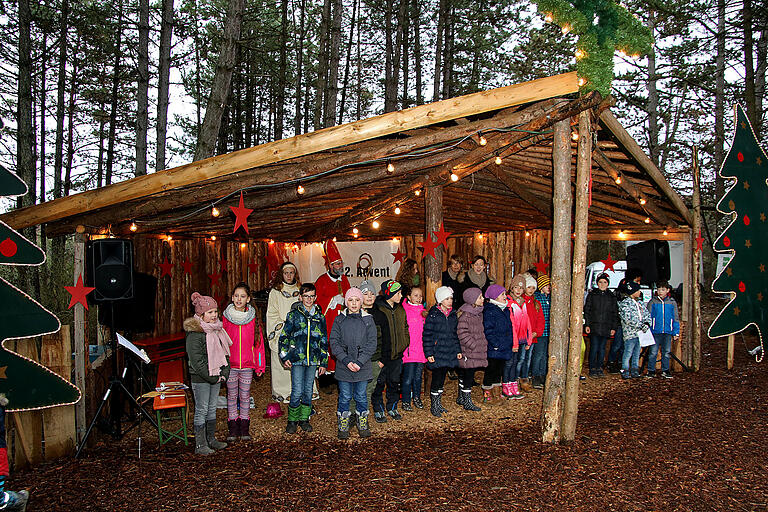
{"x":540,"y":357}
{"x":411,"y":384}
{"x":524,"y":361}
{"x":206,"y":397}
{"x":596,"y":353}
{"x":663,"y":343}
{"x":617,"y":346}
{"x":302,"y":380}
{"x":349,"y":389}
{"x":631,"y":358}
{"x":510,"y":367}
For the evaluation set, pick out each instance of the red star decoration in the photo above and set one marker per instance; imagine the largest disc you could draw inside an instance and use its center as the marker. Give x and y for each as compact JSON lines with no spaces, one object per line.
{"x":214,"y":278}
{"x":609,"y":263}
{"x":79,"y":292}
{"x":253,"y":267}
{"x":442,"y":237}
{"x":241,"y":215}
{"x":165,"y":267}
{"x":699,"y":241}
{"x":187,"y":266}
{"x":223,"y":265}
{"x":399,"y":256}
{"x":541,"y":267}
{"x":429,"y":247}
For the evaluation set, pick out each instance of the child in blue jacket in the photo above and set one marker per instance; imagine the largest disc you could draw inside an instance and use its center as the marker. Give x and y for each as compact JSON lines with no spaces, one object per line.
{"x":665,"y":326}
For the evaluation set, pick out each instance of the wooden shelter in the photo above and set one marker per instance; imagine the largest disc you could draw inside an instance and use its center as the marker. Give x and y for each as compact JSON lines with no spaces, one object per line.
{"x":485,"y":164}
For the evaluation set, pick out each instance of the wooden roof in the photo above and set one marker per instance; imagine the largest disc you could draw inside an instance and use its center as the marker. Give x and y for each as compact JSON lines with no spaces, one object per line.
{"x":343,"y":171}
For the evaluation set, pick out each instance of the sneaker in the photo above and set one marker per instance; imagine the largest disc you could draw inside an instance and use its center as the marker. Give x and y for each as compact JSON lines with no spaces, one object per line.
{"x":582,"y":377}
{"x":417,"y":403}
{"x":15,"y":501}
{"x":380,"y":416}
{"x":650,"y":375}
{"x":666,"y":375}
{"x":407,"y":407}
{"x":395,"y":415}
{"x":625,"y":375}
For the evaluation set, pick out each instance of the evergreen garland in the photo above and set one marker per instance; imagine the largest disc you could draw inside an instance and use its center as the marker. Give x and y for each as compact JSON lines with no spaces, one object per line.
{"x":602,"y":27}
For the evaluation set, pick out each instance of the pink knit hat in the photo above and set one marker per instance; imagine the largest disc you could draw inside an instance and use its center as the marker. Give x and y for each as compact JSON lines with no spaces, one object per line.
{"x":203,"y":303}
{"x":353,"y":292}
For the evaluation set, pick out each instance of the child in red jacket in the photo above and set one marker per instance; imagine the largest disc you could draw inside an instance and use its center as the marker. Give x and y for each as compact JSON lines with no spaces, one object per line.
{"x":536,"y":319}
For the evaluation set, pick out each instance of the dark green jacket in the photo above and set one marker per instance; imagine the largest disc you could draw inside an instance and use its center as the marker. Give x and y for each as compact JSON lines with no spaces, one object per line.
{"x":197,"y":353}
{"x":304,"y":340}
{"x":393,"y":322}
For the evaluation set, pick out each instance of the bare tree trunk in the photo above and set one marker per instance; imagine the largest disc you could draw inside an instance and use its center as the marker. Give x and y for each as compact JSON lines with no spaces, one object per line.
{"x":100,"y":161}
{"x":25,"y":163}
{"x":217,"y":101}
{"x":581,"y":221}
{"x":390,"y":80}
{"x":73,"y":86}
{"x":248,"y":100}
{"x":359,"y":81}
{"x":329,"y":116}
{"x":441,"y":15}
{"x":553,"y":401}
{"x":60,"y":89}
{"x":282,"y":71}
{"x":416,"y":6}
{"x":142,"y":89}
{"x":405,"y":20}
{"x":322,"y":66}
{"x":398,"y":50}
{"x":43,"y":97}
{"x":749,"y":67}
{"x":448,"y":53}
{"x":198,"y":86}
{"x":163,"y":82}
{"x":115,"y":91}
{"x":653,"y":99}
{"x":300,"y":66}
{"x":760,"y":71}
{"x":237,"y":123}
{"x":720,"y":98}
{"x":345,"y":83}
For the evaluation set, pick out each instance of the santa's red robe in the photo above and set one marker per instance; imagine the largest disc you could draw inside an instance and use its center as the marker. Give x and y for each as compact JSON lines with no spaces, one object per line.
{"x":327,"y":288}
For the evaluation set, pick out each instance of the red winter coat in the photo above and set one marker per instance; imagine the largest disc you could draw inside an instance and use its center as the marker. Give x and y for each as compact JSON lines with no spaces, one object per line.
{"x":535,"y":315}
{"x":246,"y":351}
{"x":327,"y":288}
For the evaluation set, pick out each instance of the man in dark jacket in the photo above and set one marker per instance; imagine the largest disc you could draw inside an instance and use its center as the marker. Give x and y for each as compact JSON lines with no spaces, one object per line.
{"x":601,"y":319}
{"x":391,"y":319}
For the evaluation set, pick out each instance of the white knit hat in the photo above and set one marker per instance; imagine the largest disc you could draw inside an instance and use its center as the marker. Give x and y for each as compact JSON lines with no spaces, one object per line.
{"x":530,"y":281}
{"x":443,"y":293}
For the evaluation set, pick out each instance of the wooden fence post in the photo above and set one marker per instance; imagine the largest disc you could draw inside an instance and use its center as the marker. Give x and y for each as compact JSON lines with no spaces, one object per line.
{"x":79,"y":340}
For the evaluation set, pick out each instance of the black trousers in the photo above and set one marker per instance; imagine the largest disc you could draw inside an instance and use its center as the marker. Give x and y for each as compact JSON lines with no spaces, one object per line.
{"x":493,"y":372}
{"x":389,"y":378}
{"x":466,"y":378}
{"x":438,"y":379}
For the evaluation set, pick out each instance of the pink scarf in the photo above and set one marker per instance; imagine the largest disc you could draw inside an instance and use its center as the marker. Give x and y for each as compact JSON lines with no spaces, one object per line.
{"x":217,"y":342}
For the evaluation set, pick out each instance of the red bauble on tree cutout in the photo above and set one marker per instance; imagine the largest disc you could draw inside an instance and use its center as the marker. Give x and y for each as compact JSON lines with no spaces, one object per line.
{"x":79,"y":293}
{"x":740,"y":156}
{"x":165,"y":267}
{"x":541,"y":267}
{"x":726,"y":241}
{"x":746,"y":220}
{"x":8,"y":248}
{"x":399,"y":256}
{"x":609,"y":263}
{"x":241,"y":215}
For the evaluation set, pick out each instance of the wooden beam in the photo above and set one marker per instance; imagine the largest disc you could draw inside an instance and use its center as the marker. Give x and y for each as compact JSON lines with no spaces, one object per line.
{"x":630,"y":188}
{"x":300,"y":145}
{"x":645,"y":162}
{"x":80,"y":348}
{"x":542,"y":207}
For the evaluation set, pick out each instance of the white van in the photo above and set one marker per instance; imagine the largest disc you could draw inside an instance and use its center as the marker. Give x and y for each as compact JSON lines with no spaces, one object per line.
{"x":596,"y":268}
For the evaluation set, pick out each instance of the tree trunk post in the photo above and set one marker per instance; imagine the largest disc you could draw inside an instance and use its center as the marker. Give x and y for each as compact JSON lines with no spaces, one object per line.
{"x":552,"y":407}
{"x":731,"y":351}
{"x":581,"y":227}
{"x":433,"y":201}
{"x":79,"y":340}
{"x":695,"y":330}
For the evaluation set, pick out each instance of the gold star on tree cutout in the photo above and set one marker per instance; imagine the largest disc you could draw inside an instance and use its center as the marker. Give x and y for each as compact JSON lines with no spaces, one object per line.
{"x":729,"y":271}
{"x":2,"y":372}
{"x":762,"y":267}
{"x":759,"y":161}
{"x":762,"y":217}
{"x":743,"y":125}
{"x":731,"y":205}
{"x":760,"y":296}
{"x":736,"y":311}
{"x":746,"y":185}
{"x":747,"y":243}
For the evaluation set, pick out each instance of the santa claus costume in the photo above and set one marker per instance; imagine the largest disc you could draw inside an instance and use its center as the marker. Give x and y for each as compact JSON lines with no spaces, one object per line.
{"x":331,"y":287}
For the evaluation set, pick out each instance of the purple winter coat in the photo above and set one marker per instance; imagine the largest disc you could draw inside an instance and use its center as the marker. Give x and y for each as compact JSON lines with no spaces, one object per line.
{"x":474,"y":346}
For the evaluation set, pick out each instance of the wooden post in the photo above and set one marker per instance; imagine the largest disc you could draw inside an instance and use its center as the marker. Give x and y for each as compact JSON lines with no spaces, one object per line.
{"x":731,"y":347}
{"x":79,"y":340}
{"x":581,"y":226}
{"x":552,"y":406}
{"x":695,"y":321}
{"x":685,"y":341}
{"x":433,"y":267}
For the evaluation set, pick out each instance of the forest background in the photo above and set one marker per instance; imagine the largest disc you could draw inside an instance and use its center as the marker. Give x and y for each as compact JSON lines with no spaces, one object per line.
{"x":93,"y":92}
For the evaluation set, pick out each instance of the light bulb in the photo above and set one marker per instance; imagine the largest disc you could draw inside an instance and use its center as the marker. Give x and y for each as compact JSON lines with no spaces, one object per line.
{"x":375,"y":224}
{"x":355,"y":231}
{"x":527,"y":233}
{"x":548,"y":18}
{"x":647,"y":220}
{"x":417,"y":192}
{"x":582,"y":82}
{"x":395,"y":239}
{"x":355,"y":235}
{"x":618,"y":180}
{"x":334,"y":239}
{"x":213,"y":238}
{"x":243,"y":245}
{"x":454,"y":177}
{"x":215,"y":212}
{"x":574,"y":136}
{"x":497,"y":160}
{"x":642,"y":200}
{"x":621,"y":233}
{"x":133,"y":227}
{"x":390,"y":168}
{"x":300,"y":190}
{"x":566,"y":29}
{"x":397,"y":210}
{"x":483,"y":141}
{"x":168,"y":237}
{"x":271,"y":241}
{"x":665,"y":232}
{"x":580,"y":54}
{"x":480,"y":236}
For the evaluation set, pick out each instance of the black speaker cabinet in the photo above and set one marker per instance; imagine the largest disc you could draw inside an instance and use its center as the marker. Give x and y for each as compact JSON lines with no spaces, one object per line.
{"x":137,"y":314}
{"x":652,"y":258}
{"x":109,"y":269}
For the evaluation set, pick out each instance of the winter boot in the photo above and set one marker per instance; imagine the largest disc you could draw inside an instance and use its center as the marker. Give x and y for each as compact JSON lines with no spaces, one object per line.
{"x":525,"y":385}
{"x":407,"y":407}
{"x":304,"y":411}
{"x":516,"y":394}
{"x":294,"y":415}
{"x":417,"y":403}
{"x":234,"y":430}
{"x":14,"y":501}
{"x":506,"y":390}
{"x":363,"y":429}
{"x":467,"y":400}
{"x":245,"y":429}
{"x":435,"y":408}
{"x":343,"y":428}
{"x":459,"y":397}
{"x":201,"y":444}
{"x":210,"y":436}
{"x":440,"y":403}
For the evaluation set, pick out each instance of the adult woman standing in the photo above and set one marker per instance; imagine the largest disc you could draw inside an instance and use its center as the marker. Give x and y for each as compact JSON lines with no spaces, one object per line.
{"x":408,"y":275}
{"x":283,"y":295}
{"x":477,"y":274}
{"x":454,"y":277}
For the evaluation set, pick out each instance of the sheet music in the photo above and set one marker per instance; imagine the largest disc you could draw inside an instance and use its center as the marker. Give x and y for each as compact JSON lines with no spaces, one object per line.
{"x":133,"y":348}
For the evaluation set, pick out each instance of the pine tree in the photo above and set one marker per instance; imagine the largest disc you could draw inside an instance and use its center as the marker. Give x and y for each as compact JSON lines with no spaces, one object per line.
{"x":746,"y":275}
{"x":27,"y":384}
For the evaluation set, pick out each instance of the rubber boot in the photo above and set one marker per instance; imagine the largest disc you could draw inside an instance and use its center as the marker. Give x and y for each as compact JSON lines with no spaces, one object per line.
{"x":516,"y":394}
{"x":417,"y":403}
{"x":245,"y":429}
{"x":234,"y":430}
{"x":434,"y":407}
{"x":506,"y":390}
{"x":294,"y":415}
{"x":525,"y":385}
{"x":363,"y":428}
{"x":343,"y":424}
{"x":459,"y":397}
{"x":304,"y":411}
{"x":201,"y":443}
{"x":440,"y":403}
{"x":210,"y":436}
{"x":467,"y":400}
{"x":14,"y":501}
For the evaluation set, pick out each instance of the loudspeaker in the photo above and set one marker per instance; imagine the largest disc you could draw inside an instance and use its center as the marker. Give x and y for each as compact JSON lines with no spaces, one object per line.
{"x":109,"y":269}
{"x":137,"y":314}
{"x":652,"y":258}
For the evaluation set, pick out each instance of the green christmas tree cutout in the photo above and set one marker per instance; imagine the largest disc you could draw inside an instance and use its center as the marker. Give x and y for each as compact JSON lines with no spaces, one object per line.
{"x":27,"y":384}
{"x":746,"y":275}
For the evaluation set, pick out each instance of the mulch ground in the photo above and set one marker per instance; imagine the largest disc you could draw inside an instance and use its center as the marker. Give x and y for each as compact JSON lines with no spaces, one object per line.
{"x":696,"y":442}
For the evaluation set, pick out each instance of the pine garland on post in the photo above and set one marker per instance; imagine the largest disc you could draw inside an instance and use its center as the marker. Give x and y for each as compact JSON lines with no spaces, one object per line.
{"x":603,"y":27}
